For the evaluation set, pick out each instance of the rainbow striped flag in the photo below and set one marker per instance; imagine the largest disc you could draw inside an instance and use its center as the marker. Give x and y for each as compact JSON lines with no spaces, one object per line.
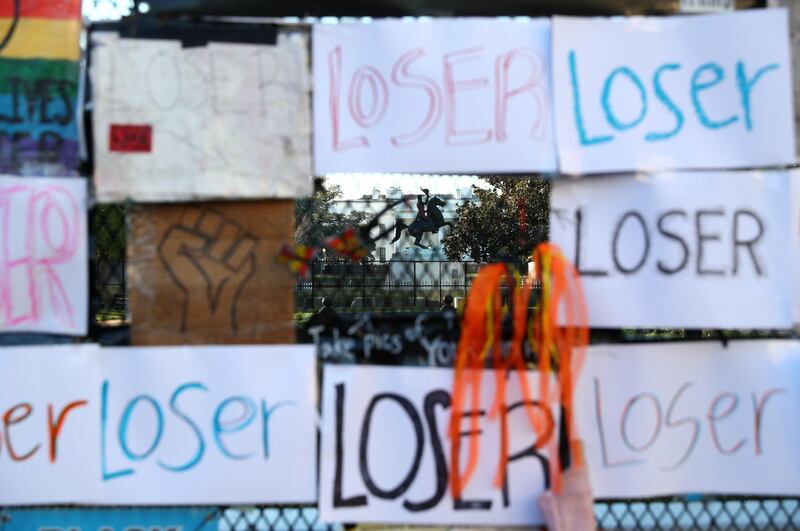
{"x":39,"y":72}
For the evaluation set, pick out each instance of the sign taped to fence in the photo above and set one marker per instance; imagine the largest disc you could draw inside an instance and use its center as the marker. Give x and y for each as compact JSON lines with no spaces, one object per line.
{"x":207,"y":274}
{"x":660,"y":93}
{"x":691,"y":417}
{"x":435,"y":96}
{"x":685,"y":250}
{"x":224,"y":120}
{"x":158,"y":426}
{"x":385,"y":453}
{"x":44,"y":274}
{"x":39,"y":73}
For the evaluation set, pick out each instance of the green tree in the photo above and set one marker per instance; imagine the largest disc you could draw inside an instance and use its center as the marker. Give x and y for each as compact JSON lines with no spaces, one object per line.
{"x":316,"y":219}
{"x":506,"y":222}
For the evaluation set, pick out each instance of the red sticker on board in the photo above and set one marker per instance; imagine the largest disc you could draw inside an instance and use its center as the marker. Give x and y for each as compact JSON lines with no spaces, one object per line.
{"x":131,"y":138}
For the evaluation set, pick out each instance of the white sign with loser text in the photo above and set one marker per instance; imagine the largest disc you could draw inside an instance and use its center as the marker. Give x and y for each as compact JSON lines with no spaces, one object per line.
{"x":385,"y":453}
{"x":660,"y":93}
{"x":224,"y":120}
{"x":795,"y":235}
{"x":684,"y":250}
{"x":158,"y":425}
{"x":44,"y":271}
{"x":433,"y":96}
{"x":691,"y":417}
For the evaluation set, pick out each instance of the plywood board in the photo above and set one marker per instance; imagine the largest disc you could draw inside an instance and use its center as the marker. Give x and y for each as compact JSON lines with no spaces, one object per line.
{"x":206,"y":273}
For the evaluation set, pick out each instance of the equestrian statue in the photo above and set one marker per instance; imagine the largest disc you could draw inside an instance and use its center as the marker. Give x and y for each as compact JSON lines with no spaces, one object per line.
{"x":429,"y":219}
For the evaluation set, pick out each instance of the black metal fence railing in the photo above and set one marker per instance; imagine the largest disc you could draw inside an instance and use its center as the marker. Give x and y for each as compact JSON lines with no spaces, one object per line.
{"x":395,"y":285}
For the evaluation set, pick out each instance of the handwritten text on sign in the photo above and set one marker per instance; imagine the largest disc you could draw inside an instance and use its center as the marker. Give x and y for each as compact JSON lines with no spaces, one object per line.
{"x":691,"y":417}
{"x":157,"y":425}
{"x":675,"y":92}
{"x":385,"y":455}
{"x":217,"y":121}
{"x":43,"y":262}
{"x":39,"y":73}
{"x":437,"y":96}
{"x":694,"y":250}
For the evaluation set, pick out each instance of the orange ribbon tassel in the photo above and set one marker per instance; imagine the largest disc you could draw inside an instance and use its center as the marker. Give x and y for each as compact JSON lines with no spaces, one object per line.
{"x":481,"y":335}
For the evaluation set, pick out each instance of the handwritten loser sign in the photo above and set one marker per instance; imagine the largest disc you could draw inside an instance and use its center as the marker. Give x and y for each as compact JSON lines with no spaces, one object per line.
{"x":694,"y":250}
{"x":385,"y":453}
{"x":691,"y":417}
{"x":673,"y":92}
{"x":223,"y":120}
{"x":145,"y":426}
{"x":438,"y":96}
{"x":43,"y":257}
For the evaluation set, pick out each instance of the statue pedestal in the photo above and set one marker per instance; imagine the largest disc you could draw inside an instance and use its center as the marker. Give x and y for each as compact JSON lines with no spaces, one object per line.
{"x":424,"y":269}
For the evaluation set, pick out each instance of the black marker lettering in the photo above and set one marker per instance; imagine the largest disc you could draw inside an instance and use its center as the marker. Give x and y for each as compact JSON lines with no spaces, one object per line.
{"x":338,"y":500}
{"x":615,"y":242}
{"x":676,"y":237}
{"x":434,"y":398}
{"x":419,"y":437}
{"x":578,"y":233}
{"x":531,"y":450}
{"x":705,"y":237}
{"x":737,"y":242}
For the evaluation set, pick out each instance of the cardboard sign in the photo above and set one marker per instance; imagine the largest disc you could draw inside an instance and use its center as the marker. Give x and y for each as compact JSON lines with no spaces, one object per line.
{"x":685,"y":250}
{"x":207,"y":274}
{"x":662,"y":93}
{"x":43,"y":262}
{"x":385,"y":454}
{"x":691,"y":417}
{"x":224,"y":120}
{"x":39,"y":73}
{"x":117,"y":519}
{"x":468,"y":95}
{"x":133,"y":426}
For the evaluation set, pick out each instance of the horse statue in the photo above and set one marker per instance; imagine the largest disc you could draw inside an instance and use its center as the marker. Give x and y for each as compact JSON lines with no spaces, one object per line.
{"x":419,"y":227}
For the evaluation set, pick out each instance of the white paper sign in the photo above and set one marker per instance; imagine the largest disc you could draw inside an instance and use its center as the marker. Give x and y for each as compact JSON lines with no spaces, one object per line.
{"x":160,"y":425}
{"x":660,"y":93}
{"x":685,"y":250}
{"x":217,"y":121}
{"x":385,"y":454}
{"x":691,"y":417}
{"x":436,"y":96}
{"x":794,"y":177}
{"x":43,"y":257}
